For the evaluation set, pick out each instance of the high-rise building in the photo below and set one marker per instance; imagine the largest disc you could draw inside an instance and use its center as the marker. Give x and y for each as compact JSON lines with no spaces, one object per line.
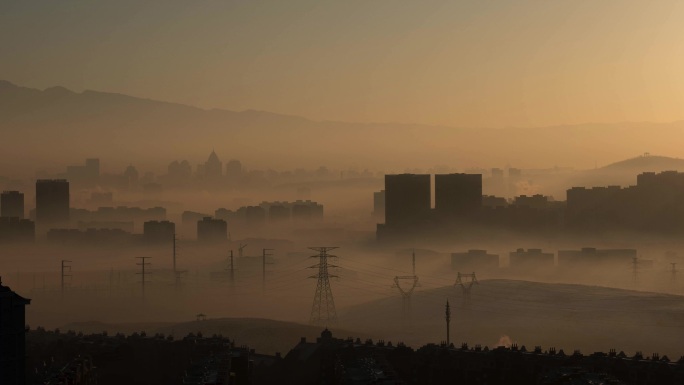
{"x":13,"y":229}
{"x":234,"y":171}
{"x":86,"y":175}
{"x":12,"y":337}
{"x":159,"y":231}
{"x":589,"y":257}
{"x":212,"y":230}
{"x":379,"y":204}
{"x":457,"y":194}
{"x":12,"y":204}
{"x":531,"y":259}
{"x":407,"y":198}
{"x":277,"y":212}
{"x":255,"y":216}
{"x":52,"y":202}
{"x":472,"y":260}
{"x":92,"y":167}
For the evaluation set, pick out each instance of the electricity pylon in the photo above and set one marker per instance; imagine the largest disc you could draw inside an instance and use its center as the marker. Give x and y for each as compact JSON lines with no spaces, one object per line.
{"x":406,"y":291}
{"x":323,"y":309}
{"x":466,"y":282}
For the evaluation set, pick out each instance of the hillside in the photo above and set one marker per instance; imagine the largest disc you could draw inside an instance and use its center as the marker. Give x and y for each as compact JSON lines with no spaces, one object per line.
{"x":645,"y":163}
{"x":566,"y":316}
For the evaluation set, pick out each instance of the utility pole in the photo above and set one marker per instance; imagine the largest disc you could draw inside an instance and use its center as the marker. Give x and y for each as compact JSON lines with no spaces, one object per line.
{"x":264,"y":254}
{"x":466,"y":282}
{"x":111,"y":281}
{"x":177,"y":274}
{"x":240,"y":248}
{"x":674,"y":272}
{"x":323,"y":308}
{"x":448,"y":320}
{"x":65,"y":269}
{"x":232,"y":269}
{"x":174,"y":253}
{"x":143,"y":263}
{"x":635,"y":263}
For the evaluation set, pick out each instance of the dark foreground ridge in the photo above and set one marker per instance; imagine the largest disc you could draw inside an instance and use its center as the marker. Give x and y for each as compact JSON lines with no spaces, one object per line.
{"x":74,"y":359}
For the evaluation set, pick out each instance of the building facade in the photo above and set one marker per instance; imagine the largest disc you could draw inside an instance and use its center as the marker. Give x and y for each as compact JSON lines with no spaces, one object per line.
{"x":12,"y":204}
{"x":52,"y":202}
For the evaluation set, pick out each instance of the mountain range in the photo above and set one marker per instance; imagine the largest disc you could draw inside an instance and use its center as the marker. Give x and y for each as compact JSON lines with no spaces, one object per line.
{"x":59,"y":125}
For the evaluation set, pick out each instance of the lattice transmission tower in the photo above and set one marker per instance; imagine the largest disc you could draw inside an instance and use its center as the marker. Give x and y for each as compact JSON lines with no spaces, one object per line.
{"x":466,"y":282}
{"x":406,"y":284}
{"x":323,"y":310}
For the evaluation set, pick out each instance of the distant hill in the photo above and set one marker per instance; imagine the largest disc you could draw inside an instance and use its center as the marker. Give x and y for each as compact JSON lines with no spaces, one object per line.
{"x":562,"y":315}
{"x":624,"y":173}
{"x":646,"y":163}
{"x":59,"y":125}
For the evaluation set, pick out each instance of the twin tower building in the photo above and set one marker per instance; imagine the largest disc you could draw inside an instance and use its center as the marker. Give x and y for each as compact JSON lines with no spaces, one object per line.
{"x":408,"y":199}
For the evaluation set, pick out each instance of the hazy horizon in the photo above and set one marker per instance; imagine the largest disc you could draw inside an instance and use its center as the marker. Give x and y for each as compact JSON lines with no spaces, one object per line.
{"x":450,"y":63}
{"x":165,"y":162}
{"x":323,"y":120}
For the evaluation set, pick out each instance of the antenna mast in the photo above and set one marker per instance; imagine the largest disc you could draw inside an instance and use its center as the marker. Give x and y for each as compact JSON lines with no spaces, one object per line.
{"x":448,"y":320}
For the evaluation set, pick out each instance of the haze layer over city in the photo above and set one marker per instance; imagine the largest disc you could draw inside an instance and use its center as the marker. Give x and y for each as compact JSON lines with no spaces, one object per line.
{"x":458,"y":177}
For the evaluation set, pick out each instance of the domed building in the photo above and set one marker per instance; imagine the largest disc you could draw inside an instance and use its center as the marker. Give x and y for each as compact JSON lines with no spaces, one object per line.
{"x":213,"y":168}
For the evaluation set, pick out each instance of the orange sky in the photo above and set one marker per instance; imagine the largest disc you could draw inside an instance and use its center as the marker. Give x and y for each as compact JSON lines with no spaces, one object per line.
{"x":458,"y":63}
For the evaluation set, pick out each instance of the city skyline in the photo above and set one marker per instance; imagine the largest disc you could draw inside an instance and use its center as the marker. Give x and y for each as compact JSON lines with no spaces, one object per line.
{"x":419,"y":192}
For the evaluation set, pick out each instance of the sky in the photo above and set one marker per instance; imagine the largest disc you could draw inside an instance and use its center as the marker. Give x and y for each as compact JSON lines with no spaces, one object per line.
{"x":464,"y":63}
